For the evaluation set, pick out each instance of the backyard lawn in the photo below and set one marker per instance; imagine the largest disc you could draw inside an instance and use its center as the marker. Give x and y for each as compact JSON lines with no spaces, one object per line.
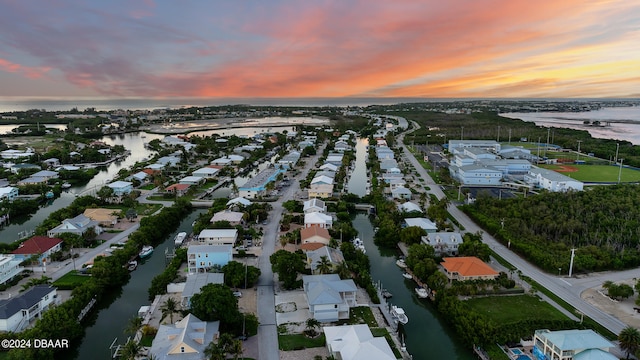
{"x":508,"y":309}
{"x":70,"y":280}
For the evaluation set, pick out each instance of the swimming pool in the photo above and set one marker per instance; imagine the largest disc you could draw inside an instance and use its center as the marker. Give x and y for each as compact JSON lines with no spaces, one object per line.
{"x":516,"y":351}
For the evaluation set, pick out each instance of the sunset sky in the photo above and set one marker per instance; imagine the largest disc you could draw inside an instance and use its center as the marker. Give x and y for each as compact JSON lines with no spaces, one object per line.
{"x":399,"y":48}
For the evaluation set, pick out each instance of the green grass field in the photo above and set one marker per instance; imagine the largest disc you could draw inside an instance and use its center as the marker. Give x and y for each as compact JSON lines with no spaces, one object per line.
{"x":598,"y":173}
{"x":514,"y":308}
{"x":70,"y":280}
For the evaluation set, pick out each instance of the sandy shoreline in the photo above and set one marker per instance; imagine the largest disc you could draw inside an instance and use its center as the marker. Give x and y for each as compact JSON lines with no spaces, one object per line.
{"x":184,"y":127}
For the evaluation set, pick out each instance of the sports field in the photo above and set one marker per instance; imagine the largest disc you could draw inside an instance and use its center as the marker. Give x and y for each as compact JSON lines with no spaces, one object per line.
{"x":596,"y":173}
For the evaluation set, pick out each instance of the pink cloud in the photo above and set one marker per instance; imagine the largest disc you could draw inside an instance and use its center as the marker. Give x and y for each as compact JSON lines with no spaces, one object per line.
{"x":28,"y":71}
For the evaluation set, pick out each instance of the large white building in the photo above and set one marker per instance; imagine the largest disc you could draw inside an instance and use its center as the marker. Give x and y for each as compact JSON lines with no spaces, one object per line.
{"x":552,"y":181}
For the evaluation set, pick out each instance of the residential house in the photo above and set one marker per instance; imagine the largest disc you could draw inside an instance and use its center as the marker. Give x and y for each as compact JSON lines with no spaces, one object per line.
{"x":8,"y":193}
{"x":104,"y":217}
{"x":318,"y":219}
{"x":78,"y":225}
{"x":51,"y":162}
{"x":206,"y":172}
{"x":156,"y":167}
{"x":9,"y":267}
{"x":40,"y":246}
{"x":314,"y":234}
{"x":319,"y":180}
{"x":15,"y":168}
{"x":289,"y":161}
{"x":314,"y":257}
{"x":141,"y":176}
{"x":16,"y":154}
{"x":320,"y":191}
{"x":423,"y":223}
{"x":467,"y":268}
{"x":409,"y":207}
{"x":169,"y":160}
{"x":202,"y":258}
{"x":178,"y":189}
{"x":45,"y":174}
{"x":192,"y":180}
{"x":195,"y":282}
{"x":121,"y":187}
{"x":33,"y":181}
{"x":186,"y":340}
{"x":329,"y":167}
{"x":223,"y":161}
{"x":335,"y":159}
{"x":341,"y":146}
{"x":239,"y":201}
{"x":356,"y":342}
{"x":233,"y":217}
{"x":329,"y":298}
{"x":571,"y":345}
{"x":314,"y":205}
{"x":401,"y":192}
{"x":218,"y":236}
{"x":444,"y":243}
{"x":387,"y":164}
{"x":257,"y":185}
{"x":16,"y":313}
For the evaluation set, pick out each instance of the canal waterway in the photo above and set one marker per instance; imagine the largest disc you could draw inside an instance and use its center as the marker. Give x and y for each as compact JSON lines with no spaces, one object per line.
{"x":358,"y":179}
{"x":426,"y":335}
{"x":109,"y":323}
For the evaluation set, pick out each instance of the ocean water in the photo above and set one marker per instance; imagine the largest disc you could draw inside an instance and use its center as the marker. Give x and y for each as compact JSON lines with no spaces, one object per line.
{"x":623,"y":123}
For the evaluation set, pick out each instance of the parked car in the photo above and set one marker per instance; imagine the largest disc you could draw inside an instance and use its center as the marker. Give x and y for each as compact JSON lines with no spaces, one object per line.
{"x":237,"y":293}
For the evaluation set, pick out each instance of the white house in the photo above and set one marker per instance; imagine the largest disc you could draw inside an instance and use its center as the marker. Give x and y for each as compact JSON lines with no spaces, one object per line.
{"x":218,"y":236}
{"x":9,"y":267}
{"x":319,"y":180}
{"x":8,"y":193}
{"x":121,"y":187}
{"x":140,"y":176}
{"x":356,"y":342}
{"x":330,"y":167}
{"x":318,"y":219}
{"x":320,"y":191}
{"x":444,"y":243}
{"x":192,"y":180}
{"x":239,"y":201}
{"x":195,"y":282}
{"x":78,"y":225}
{"x":16,"y":313}
{"x":409,"y":207}
{"x":329,"y":298}
{"x":206,"y":172}
{"x":401,"y":192}
{"x":233,"y":217}
{"x":314,"y":205}
{"x":423,"y":223}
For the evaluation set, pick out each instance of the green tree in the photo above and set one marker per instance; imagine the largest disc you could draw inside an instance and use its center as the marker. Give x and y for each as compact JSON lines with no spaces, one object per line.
{"x":134,"y":324}
{"x":412,"y":235}
{"x":105,"y":193}
{"x":324,"y":266}
{"x":629,"y":339}
{"x":216,"y":302}
{"x":287,"y":265}
{"x":312,"y":325}
{"x":169,"y":308}
{"x":130,"y":350}
{"x":234,"y":274}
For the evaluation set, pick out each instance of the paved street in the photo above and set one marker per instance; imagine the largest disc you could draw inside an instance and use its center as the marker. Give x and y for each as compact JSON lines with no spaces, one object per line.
{"x":568,"y":289}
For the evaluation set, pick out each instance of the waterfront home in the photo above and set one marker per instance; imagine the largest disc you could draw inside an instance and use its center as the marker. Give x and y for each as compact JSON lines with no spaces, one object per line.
{"x":335,"y":159}
{"x":314,"y":234}
{"x":206,"y":172}
{"x":8,"y":193}
{"x":387,"y":164}
{"x":78,"y":225}
{"x":15,"y":168}
{"x":319,"y":180}
{"x":551,"y":180}
{"x":186,"y":340}
{"x":195,"y":282}
{"x":256,"y":186}
{"x":233,"y":217}
{"x":169,"y":160}
{"x":121,"y":187}
{"x":341,"y":146}
{"x":571,"y":344}
{"x":401,"y":192}
{"x":104,"y":217}
{"x":155,"y":167}
{"x":329,"y":167}
{"x":320,"y":191}
{"x":444,"y":243}
{"x":16,"y":154}
{"x":289,"y":161}
{"x":51,"y":162}
{"x":235,"y":159}
{"x":318,"y":219}
{"x":33,"y":181}
{"x":423,"y":223}
{"x":329,"y":298}
{"x":178,"y":189}
{"x":218,"y":236}
{"x":239,"y":201}
{"x":202,"y":258}
{"x":409,"y":207}
{"x":223,"y":161}
{"x":383,"y":152}
{"x":356,"y":342}
{"x":45,"y":174}
{"x":16,"y":313}
{"x":192,"y":180}
{"x":314,"y":257}
{"x":40,"y":246}
{"x":395,"y":183}
{"x":141,"y":176}
{"x":467,"y":268}
{"x":314,"y":205}
{"x":9,"y":267}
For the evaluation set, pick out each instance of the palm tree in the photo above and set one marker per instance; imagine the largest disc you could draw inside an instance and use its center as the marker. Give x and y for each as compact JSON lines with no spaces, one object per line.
{"x":214,"y":352}
{"x":130,"y":350}
{"x":169,"y":308}
{"x":235,"y":349}
{"x":134,"y":324}
{"x":324,"y":266}
{"x":629,"y":339}
{"x":312,"y":324}
{"x":343,"y":271}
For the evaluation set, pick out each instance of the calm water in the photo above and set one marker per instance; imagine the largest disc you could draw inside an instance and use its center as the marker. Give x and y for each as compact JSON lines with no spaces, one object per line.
{"x":427,"y":336}
{"x":110,"y":323}
{"x":572,"y":120}
{"x":358,"y":181}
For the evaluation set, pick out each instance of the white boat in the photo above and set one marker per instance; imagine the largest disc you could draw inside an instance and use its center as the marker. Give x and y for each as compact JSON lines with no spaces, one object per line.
{"x":65,"y":185}
{"x":145,"y":252}
{"x":179,"y":239}
{"x":359,"y":245}
{"x":406,"y":275}
{"x":132,"y":265}
{"x":422,"y":292}
{"x":398,"y":314}
{"x":401,"y":263}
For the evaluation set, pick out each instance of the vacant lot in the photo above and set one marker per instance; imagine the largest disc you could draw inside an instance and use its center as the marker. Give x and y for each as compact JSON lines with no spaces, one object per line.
{"x":596,"y":173}
{"x":509,"y":309}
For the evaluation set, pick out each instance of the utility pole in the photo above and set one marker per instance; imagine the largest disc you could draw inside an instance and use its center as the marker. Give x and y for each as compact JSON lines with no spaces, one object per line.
{"x":509,"y":136}
{"x":615,"y":159}
{"x":462,"y":133}
{"x":498,"y":138}
{"x":620,"y":171}
{"x":547,"y":144}
{"x":579,"y":141}
{"x":573,"y":255}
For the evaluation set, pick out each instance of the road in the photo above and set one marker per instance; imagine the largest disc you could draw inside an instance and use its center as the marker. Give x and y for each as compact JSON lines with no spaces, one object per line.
{"x":568,"y":289}
{"x":268,"y":331}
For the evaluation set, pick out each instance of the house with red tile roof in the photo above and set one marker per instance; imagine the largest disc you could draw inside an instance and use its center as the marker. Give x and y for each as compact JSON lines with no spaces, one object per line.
{"x":467,"y":268}
{"x":315,"y":234}
{"x":178,"y":189}
{"x":43,"y":246}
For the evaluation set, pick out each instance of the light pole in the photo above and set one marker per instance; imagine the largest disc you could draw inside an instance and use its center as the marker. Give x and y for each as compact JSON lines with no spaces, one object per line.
{"x":579,"y":141}
{"x":615,"y":159}
{"x":620,"y":170}
{"x":462,"y":133}
{"x":559,"y":271}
